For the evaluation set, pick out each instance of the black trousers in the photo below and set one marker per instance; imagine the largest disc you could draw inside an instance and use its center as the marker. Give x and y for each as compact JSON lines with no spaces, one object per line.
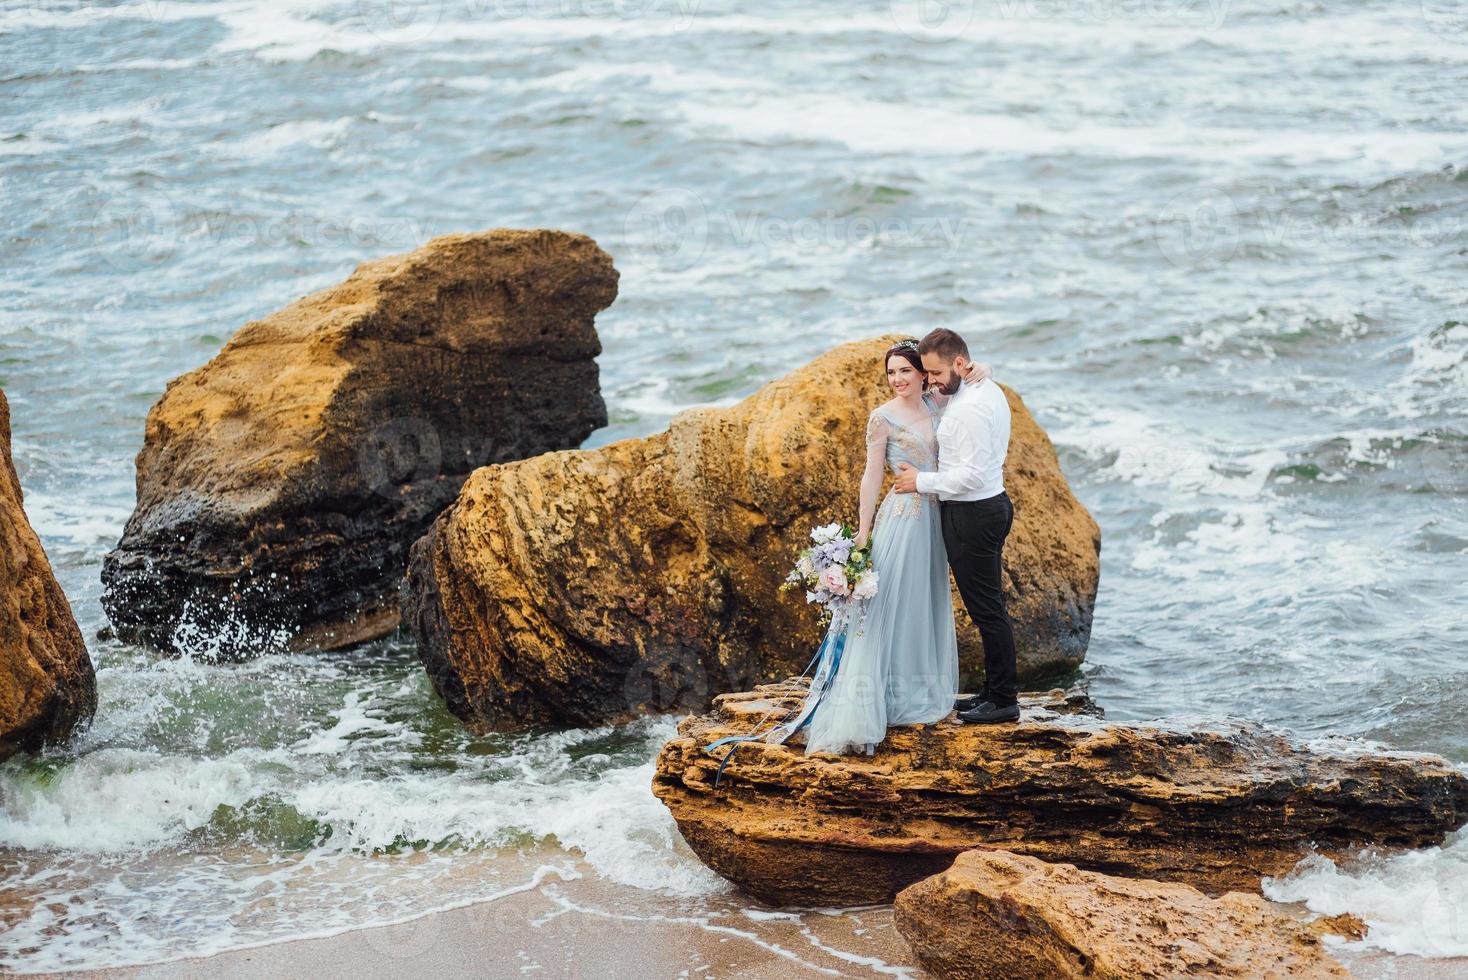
{"x":973,"y":535}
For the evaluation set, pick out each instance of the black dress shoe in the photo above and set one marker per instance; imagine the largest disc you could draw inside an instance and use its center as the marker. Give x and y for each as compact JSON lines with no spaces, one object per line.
{"x":990,"y":713}
{"x":968,"y":702}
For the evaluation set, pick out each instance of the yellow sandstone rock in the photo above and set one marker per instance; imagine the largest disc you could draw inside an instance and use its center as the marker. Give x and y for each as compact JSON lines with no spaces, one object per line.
{"x":996,"y":916}
{"x":1213,"y":805}
{"x":588,"y":586}
{"x":47,"y":687}
{"x":281,"y":484}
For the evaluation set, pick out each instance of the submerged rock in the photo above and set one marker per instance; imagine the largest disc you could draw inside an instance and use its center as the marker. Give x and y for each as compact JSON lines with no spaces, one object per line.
{"x":999,"y":915}
{"x":586,"y":587}
{"x":281,"y":484}
{"x":47,"y":687}
{"x":1217,"y":806}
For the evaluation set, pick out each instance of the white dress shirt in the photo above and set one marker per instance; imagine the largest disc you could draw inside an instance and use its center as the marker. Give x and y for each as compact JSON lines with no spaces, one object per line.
{"x":973,"y":439}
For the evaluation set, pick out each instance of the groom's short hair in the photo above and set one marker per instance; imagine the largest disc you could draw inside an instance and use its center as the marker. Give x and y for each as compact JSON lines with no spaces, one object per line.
{"x":945,"y":343}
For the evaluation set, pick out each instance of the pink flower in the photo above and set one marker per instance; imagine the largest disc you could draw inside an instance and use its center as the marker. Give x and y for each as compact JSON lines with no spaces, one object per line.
{"x":834,"y":580}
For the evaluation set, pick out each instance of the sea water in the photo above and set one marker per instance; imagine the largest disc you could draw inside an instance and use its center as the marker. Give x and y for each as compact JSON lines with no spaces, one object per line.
{"x":1219,"y":247}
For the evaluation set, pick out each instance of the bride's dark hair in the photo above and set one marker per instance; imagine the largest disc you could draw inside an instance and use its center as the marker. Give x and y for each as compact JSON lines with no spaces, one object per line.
{"x":907,"y":349}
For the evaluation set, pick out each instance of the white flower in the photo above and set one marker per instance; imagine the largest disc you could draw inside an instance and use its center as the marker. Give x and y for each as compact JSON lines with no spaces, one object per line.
{"x":866,"y":584}
{"x":828,"y":532}
{"x":805,"y":568}
{"x":811,"y":596}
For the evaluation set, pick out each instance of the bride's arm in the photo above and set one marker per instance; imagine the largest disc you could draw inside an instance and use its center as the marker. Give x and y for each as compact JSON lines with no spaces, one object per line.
{"x":872,"y":476}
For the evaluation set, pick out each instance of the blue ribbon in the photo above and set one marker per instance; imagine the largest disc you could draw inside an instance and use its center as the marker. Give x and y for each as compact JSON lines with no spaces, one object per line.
{"x":834,"y":643}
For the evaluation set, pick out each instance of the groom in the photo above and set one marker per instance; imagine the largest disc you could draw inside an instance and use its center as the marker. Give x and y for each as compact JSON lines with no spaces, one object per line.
{"x":973,"y":439}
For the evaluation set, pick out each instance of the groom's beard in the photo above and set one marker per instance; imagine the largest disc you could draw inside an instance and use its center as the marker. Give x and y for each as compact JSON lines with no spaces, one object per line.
{"x":949,"y":385}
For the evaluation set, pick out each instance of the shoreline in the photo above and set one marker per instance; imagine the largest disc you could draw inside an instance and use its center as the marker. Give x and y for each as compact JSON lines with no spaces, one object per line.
{"x":556,"y":925}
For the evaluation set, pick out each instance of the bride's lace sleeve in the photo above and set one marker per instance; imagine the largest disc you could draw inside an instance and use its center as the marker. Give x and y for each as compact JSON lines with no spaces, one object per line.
{"x":875,"y":472}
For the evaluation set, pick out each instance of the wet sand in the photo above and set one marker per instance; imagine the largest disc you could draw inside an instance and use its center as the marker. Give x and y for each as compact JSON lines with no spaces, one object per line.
{"x":579,"y":928}
{"x":589,"y":927}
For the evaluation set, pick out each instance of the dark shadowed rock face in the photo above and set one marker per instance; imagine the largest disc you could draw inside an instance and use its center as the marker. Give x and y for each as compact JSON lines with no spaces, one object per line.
{"x":995,"y":915}
{"x":1217,"y":807}
{"x":586,"y":587}
{"x":47,"y":687}
{"x":281,"y":484}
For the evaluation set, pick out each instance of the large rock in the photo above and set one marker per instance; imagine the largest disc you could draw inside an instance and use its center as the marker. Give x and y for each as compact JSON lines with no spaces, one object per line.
{"x":1215,"y":806}
{"x":47,"y":687}
{"x":281,"y":484}
{"x":996,"y":916}
{"x":585,"y":587}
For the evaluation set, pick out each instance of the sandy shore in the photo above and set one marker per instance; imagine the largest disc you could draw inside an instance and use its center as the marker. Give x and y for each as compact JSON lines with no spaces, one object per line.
{"x":580,"y":928}
{"x":588,"y":927}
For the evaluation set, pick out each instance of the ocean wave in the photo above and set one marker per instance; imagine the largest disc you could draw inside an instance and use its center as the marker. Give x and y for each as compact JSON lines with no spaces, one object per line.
{"x":1414,"y":902}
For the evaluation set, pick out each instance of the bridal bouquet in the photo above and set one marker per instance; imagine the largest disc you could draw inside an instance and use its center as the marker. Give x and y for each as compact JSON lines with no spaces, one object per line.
{"x":834,"y":573}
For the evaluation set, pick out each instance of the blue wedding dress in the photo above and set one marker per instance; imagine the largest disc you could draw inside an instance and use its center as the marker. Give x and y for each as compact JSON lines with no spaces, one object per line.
{"x":899,"y":664}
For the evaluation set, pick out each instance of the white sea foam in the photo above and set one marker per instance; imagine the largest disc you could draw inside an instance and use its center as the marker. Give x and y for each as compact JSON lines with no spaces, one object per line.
{"x":114,"y":808}
{"x":1414,"y":902}
{"x":318,"y":133}
{"x":117,"y":800}
{"x":869,"y":126}
{"x":62,"y":517}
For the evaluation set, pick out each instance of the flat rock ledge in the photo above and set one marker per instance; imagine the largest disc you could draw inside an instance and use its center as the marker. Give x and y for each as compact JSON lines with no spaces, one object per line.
{"x":1215,"y":805}
{"x":996,"y":915}
{"x":47,"y":686}
{"x":592,"y":586}
{"x":281,"y":485}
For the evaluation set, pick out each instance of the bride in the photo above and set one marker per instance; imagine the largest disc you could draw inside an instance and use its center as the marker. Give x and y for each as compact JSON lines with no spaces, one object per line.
{"x":897,"y":664}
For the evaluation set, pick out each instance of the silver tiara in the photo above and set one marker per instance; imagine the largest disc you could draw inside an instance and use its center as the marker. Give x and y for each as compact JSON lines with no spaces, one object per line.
{"x":908,"y":344}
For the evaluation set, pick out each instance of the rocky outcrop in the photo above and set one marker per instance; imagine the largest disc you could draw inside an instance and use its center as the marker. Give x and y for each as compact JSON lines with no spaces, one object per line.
{"x":1216,"y":806}
{"x":281,"y":484}
{"x":585,"y":587}
{"x":995,"y":916}
{"x":47,"y":687}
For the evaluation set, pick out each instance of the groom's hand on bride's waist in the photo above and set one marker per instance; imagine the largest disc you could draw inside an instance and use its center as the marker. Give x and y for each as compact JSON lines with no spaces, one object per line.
{"x":906,"y":478}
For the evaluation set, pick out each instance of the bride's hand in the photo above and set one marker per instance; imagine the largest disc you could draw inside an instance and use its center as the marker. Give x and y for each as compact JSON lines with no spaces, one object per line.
{"x":973,"y":372}
{"x":861,"y":541}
